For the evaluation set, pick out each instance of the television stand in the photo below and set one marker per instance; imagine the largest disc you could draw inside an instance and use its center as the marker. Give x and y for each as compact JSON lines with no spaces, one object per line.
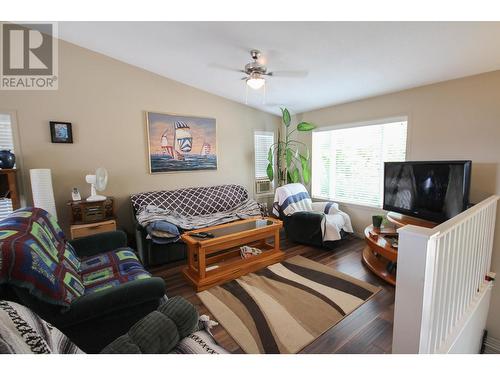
{"x":381,"y":253}
{"x":400,"y":220}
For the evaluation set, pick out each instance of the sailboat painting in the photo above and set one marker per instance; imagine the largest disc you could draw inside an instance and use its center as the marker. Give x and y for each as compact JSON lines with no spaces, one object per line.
{"x":181,"y":143}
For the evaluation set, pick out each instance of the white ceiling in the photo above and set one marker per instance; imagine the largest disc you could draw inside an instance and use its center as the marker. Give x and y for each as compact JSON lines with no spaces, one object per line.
{"x":346,"y":61}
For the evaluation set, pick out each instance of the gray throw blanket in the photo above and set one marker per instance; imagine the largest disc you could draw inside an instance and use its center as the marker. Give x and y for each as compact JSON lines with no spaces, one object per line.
{"x":245,"y":210}
{"x":24,"y":332}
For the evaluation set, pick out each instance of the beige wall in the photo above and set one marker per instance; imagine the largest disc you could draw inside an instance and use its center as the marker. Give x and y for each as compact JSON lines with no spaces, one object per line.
{"x":458,"y":119}
{"x":105,"y":100}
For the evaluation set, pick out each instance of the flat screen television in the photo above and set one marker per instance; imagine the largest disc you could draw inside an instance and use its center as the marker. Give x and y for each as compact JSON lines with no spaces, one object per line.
{"x":430,"y":190}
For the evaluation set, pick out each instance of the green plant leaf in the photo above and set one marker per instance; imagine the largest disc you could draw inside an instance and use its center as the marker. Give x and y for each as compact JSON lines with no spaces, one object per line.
{"x":285,"y":115}
{"x":289,"y":155}
{"x":303,"y":161}
{"x":270,"y":155}
{"x":306,"y":173}
{"x":295,"y":175}
{"x":305,"y":126}
{"x":288,"y":177}
{"x":270,"y":172}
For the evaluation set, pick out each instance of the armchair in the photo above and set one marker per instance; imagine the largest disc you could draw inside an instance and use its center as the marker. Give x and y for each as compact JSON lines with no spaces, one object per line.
{"x":311,"y":223}
{"x":93,"y":289}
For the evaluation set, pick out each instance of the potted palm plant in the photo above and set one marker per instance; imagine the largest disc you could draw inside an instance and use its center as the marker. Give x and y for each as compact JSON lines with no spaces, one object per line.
{"x":292,"y":156}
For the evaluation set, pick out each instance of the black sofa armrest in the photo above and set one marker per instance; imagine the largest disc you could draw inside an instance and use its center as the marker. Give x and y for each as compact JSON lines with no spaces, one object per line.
{"x":108,"y":301}
{"x":304,"y":227}
{"x":143,"y":244}
{"x":99,"y":243}
{"x":307,"y":217}
{"x":152,"y":254}
{"x":96,"y":319}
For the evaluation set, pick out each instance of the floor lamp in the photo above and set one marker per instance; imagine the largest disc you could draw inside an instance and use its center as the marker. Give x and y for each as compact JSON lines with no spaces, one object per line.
{"x":41,"y":188}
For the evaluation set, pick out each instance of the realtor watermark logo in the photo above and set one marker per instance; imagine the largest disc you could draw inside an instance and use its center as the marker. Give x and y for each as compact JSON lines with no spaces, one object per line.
{"x":29,"y":58}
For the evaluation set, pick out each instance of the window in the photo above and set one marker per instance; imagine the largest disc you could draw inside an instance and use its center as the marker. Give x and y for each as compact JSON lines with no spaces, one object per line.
{"x":348,"y":163}
{"x":6,"y":143}
{"x":262,"y":141}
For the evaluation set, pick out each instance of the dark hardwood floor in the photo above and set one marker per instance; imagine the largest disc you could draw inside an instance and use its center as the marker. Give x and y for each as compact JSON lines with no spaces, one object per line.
{"x":368,"y":329}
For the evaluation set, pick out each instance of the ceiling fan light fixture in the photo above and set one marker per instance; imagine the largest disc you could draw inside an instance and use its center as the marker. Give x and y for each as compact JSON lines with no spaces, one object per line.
{"x":255,"y":81}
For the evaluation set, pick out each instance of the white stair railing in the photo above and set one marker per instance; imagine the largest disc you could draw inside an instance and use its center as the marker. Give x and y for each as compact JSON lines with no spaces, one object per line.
{"x":442,"y":288}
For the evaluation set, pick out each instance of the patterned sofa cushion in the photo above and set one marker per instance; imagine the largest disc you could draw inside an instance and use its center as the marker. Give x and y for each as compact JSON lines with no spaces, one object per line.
{"x":111,"y":269}
{"x":34,"y":254}
{"x":193,"y":201}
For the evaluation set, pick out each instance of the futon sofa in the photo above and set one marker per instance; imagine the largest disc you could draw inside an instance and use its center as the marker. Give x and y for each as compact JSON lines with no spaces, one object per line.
{"x":93,"y":289}
{"x":189,"y":202}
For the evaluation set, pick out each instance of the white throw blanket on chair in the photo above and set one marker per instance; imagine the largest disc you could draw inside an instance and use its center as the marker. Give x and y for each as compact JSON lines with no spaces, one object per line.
{"x":293,"y":198}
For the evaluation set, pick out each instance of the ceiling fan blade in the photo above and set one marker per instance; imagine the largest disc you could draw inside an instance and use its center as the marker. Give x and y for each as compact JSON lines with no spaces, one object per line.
{"x":289,"y":73}
{"x":224,"y":67}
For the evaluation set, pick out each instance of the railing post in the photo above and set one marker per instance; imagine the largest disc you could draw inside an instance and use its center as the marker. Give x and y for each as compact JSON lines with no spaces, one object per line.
{"x":414,"y":277}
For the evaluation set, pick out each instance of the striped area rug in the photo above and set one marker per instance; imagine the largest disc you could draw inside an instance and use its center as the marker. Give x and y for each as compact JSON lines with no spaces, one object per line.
{"x":286,"y":306}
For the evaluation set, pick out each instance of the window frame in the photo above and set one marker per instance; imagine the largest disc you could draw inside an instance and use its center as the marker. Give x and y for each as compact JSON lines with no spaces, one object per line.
{"x":261,"y":132}
{"x":378,"y":121}
{"x":20,"y":175}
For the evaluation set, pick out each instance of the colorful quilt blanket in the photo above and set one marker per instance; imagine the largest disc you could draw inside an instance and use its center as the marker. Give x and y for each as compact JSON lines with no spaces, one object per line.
{"x":111,"y":269}
{"x":34,"y":254}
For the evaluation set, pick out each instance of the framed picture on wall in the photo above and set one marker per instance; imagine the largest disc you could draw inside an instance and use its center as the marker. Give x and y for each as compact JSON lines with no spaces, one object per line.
{"x":181,"y":143}
{"x":61,"y":132}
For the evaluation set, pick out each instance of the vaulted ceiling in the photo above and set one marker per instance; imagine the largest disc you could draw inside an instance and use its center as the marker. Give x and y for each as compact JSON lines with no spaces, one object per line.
{"x":345,"y":61}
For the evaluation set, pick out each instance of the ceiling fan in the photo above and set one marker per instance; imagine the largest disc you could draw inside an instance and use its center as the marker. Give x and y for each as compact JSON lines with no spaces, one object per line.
{"x":256,"y":72}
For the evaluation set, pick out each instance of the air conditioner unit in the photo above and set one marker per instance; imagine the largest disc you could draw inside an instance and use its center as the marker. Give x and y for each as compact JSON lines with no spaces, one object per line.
{"x":263,"y":187}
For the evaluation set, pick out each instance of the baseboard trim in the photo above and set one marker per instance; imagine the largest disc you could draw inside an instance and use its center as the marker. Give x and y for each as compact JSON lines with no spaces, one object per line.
{"x":359,"y":235}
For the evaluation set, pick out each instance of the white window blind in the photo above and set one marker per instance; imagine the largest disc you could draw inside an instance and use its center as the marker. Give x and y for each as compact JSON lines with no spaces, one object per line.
{"x":262,"y":141}
{"x":348,"y":163}
{"x":6,"y":143}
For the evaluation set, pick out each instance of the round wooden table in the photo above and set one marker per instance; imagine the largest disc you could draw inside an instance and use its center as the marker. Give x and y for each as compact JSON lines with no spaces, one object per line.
{"x":379,"y":256}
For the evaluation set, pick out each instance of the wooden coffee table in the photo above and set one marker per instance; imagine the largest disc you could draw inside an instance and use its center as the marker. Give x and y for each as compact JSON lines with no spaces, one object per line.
{"x":213,"y":261}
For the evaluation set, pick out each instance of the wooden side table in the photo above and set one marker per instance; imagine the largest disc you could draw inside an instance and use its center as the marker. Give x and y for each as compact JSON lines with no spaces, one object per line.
{"x":8,"y":186}
{"x":83,"y":230}
{"x":89,"y":218}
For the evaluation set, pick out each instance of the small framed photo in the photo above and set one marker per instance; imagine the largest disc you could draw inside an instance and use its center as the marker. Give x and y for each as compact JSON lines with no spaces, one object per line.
{"x":60,"y":132}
